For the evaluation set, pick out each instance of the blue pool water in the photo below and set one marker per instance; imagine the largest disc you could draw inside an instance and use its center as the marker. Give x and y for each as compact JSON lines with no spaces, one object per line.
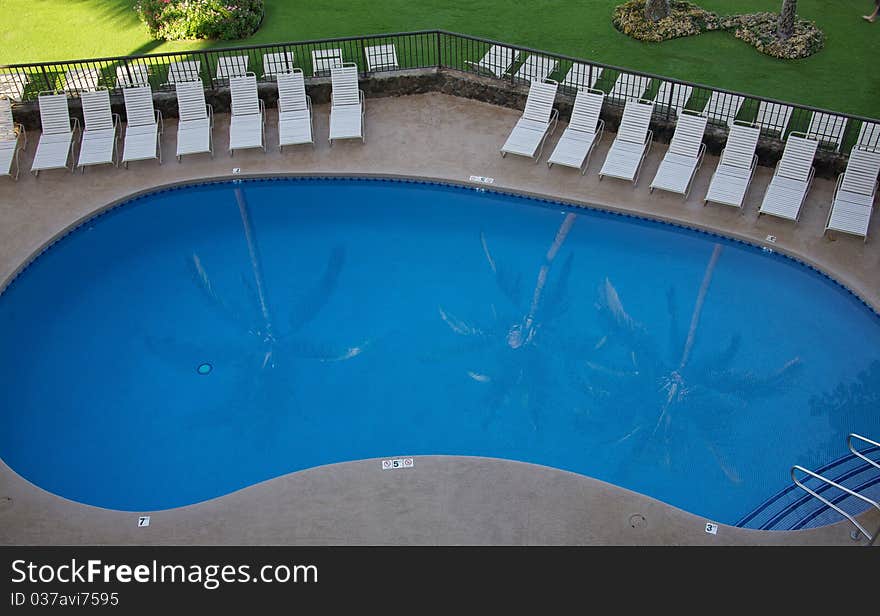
{"x":203,"y":339}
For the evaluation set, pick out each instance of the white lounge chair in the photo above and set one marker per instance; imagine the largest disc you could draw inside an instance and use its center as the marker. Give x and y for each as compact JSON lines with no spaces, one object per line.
{"x":277,"y":62}
{"x":581,"y":76}
{"x":627,"y":87}
{"x":673,"y":95}
{"x":497,"y":61}
{"x":229,"y":67}
{"x":538,"y":120}
{"x":78,"y":80}
{"x":853,"y":200}
{"x":346,"y":103}
{"x":323,"y":60}
{"x":12,"y":85}
{"x":736,"y":167}
{"x":294,"y":110}
{"x":100,"y":128}
{"x":143,"y":126}
{"x":869,"y":136}
{"x":631,"y":145}
{"x":129,"y":75}
{"x":773,"y":117}
{"x":535,"y":68}
{"x":181,"y":72}
{"x":723,"y":107}
{"x":584,"y":131}
{"x":381,"y":58}
{"x":55,"y":145}
{"x":11,"y":136}
{"x":827,"y":128}
{"x":684,"y":156}
{"x":247,"y":119}
{"x":792,"y":178}
{"x":195,"y":120}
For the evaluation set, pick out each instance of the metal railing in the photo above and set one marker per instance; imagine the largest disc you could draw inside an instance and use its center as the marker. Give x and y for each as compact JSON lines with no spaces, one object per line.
{"x":871,"y":538}
{"x":446,"y":50}
{"x":859,"y":454}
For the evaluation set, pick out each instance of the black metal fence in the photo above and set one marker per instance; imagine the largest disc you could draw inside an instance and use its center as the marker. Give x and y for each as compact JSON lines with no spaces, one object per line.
{"x":447,"y":50}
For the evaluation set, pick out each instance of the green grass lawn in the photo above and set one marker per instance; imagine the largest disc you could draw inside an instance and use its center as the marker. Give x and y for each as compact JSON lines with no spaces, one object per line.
{"x":839,"y":77}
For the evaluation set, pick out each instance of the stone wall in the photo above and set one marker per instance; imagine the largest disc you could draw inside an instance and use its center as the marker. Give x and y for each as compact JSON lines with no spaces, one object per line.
{"x":455,"y":83}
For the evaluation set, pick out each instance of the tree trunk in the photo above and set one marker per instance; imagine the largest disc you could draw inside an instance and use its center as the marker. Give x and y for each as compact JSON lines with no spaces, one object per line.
{"x":655,"y":10}
{"x":786,"y":19}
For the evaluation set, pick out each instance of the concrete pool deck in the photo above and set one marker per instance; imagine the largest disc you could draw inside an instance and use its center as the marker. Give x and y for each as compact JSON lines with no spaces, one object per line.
{"x":442,"y":500}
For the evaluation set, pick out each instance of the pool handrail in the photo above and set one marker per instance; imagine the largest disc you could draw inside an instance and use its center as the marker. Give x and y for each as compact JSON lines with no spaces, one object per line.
{"x":859,"y":454}
{"x":871,"y":538}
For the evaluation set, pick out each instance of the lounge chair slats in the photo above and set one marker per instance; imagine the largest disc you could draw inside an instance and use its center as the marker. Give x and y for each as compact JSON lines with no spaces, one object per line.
{"x":723,"y":107}
{"x":584,"y":130}
{"x":869,"y":136}
{"x":98,"y":144}
{"x":10,"y":134}
{"x":497,"y":60}
{"x":684,"y":156}
{"x":277,"y":62}
{"x":579,"y":76}
{"x":536,"y":123}
{"x":247,"y":118}
{"x":673,"y":95}
{"x":735,"y":168}
{"x":56,"y":140}
{"x":853,"y":201}
{"x":773,"y":116}
{"x":827,"y":128}
{"x":142,"y":127}
{"x":195,"y":119}
{"x":629,"y":86}
{"x":381,"y":57}
{"x":294,"y":109}
{"x":323,"y":60}
{"x":630,"y":146}
{"x":535,"y":68}
{"x":346,"y":103}
{"x":794,"y":173}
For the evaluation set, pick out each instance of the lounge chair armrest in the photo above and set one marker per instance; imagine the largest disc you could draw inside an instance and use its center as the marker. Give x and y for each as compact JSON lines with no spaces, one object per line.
{"x":75,"y":128}
{"x":160,"y":121}
{"x":649,"y":139}
{"x":361,"y":93}
{"x":115,"y":121}
{"x":309,"y":103}
{"x":554,"y":119}
{"x":810,"y":177}
{"x":22,"y":132}
{"x":210,"y":109}
{"x":837,"y":186}
{"x":700,"y":155}
{"x":754,"y":162}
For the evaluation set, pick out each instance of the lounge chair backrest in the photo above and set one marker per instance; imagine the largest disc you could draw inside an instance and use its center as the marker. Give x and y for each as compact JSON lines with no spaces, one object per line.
{"x":827,"y":128}
{"x":539,"y":103}
{"x":723,"y":107}
{"x":498,"y":58}
{"x":797,"y":158}
{"x":7,"y":123}
{"x":861,"y":172}
{"x":54,"y":114}
{"x":680,"y":94}
{"x":869,"y":136}
{"x":292,"y":91}
{"x":688,"y":136}
{"x":131,"y":74}
{"x":187,"y":70}
{"x":587,"y":107}
{"x":344,"y":85}
{"x":536,"y":68}
{"x":636,"y":119}
{"x":96,"y":110}
{"x":191,"y":101}
{"x":139,"y":109}
{"x":274,"y":63}
{"x":243,"y":90}
{"x":773,"y":115}
{"x":630,"y":86}
{"x":740,"y":148}
{"x":579,"y":76}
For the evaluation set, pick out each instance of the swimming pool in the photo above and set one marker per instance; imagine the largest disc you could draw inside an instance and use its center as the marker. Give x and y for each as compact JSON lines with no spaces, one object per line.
{"x":202,"y":339}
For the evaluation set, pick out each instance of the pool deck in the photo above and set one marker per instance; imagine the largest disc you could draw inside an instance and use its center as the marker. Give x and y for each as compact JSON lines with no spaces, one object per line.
{"x":443,"y":500}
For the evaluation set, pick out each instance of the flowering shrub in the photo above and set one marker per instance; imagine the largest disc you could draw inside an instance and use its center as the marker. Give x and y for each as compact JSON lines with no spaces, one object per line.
{"x":759,"y":29}
{"x":172,"y":20}
{"x":687,"y":19}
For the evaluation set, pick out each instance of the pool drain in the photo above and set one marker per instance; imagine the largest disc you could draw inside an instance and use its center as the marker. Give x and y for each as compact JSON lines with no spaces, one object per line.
{"x":637,"y":520}
{"x":204,"y":369}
